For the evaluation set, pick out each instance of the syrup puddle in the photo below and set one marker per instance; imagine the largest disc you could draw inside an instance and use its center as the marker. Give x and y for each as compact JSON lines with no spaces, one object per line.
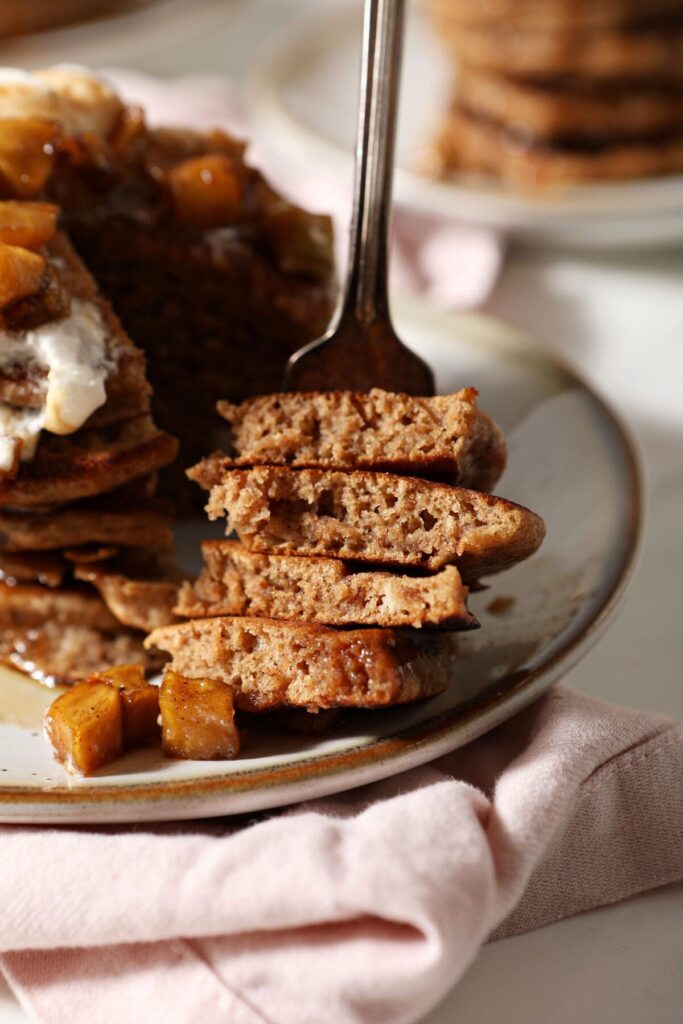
{"x":22,"y":700}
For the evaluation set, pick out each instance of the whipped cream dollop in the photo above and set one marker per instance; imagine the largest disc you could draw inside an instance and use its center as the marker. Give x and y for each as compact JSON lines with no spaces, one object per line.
{"x":69,"y":93}
{"x":74,"y":353}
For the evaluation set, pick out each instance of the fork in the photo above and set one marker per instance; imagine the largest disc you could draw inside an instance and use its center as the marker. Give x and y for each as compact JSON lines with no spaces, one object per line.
{"x":361,"y":349}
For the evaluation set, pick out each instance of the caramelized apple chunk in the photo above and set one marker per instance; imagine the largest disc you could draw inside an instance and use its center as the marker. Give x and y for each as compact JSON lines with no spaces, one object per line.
{"x":21,"y":273}
{"x":207,"y":191}
{"x":197,"y":719}
{"x":29,"y":225}
{"x":165,"y":148}
{"x":95,"y":721}
{"x":139,"y":703}
{"x":85,"y":727}
{"x":300,"y":242}
{"x":28,"y":146}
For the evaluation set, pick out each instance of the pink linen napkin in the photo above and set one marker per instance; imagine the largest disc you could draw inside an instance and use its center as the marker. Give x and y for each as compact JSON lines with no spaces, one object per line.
{"x":361,"y":908}
{"x":452,"y":264}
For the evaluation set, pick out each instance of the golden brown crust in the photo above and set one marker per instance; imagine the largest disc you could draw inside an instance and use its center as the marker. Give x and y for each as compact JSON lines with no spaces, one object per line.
{"x":272,"y":665}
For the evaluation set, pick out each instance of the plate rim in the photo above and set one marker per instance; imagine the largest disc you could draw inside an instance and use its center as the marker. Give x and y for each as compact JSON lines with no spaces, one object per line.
{"x":324,"y":774}
{"x":610,"y":201}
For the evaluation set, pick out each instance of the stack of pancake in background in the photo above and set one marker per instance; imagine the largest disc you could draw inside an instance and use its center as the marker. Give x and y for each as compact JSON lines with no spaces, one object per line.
{"x":552,"y":92}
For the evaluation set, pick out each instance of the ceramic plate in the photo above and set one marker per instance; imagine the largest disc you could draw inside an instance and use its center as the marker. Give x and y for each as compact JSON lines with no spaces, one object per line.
{"x":569,"y":460}
{"x":302,"y":96}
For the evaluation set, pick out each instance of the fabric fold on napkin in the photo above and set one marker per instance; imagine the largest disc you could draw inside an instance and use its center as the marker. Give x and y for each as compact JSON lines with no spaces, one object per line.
{"x":363,"y":907}
{"x":450,"y":263}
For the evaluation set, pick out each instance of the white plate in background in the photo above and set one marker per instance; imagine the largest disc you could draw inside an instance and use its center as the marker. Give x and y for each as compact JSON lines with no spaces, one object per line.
{"x":302,"y":101}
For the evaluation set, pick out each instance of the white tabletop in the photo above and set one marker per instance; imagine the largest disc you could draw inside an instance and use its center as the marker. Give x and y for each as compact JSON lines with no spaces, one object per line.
{"x":619,"y":319}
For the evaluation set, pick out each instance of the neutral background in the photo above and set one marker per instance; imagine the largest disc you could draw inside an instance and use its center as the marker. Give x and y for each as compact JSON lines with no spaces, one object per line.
{"x":618,"y":318}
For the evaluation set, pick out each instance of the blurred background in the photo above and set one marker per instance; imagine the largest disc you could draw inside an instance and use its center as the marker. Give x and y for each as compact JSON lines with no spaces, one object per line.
{"x":165,"y":37}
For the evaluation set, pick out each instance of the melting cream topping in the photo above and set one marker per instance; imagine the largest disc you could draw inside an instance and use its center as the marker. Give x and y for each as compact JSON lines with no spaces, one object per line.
{"x":74,"y":353}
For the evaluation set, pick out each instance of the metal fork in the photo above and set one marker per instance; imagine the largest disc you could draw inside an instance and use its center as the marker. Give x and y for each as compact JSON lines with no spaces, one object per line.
{"x":361,"y":349}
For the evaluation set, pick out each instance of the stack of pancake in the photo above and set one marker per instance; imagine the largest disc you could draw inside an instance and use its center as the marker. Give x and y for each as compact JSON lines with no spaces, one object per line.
{"x":80,"y":528}
{"x":359,"y":528}
{"x":217,"y":279}
{"x":213,"y":274}
{"x":553,"y":92}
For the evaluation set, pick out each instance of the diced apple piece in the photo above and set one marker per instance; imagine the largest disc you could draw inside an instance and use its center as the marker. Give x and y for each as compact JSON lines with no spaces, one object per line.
{"x":139,"y":703}
{"x":124,"y":676}
{"x":27,"y":154}
{"x":85,"y":727}
{"x":301,"y":243}
{"x":207,"y":191}
{"x":21,"y":273}
{"x":29,"y":225}
{"x":197,"y":719}
{"x":218,"y":141}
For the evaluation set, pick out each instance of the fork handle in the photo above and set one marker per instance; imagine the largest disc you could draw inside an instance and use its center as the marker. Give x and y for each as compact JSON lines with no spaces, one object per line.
{"x":365,"y":295}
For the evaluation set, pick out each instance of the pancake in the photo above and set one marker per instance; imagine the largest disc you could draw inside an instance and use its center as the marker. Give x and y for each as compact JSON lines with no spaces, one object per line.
{"x":235,"y":581}
{"x":572,"y":108}
{"x":469,"y":143}
{"x":444,"y":437}
{"x":649,"y":51}
{"x":137,"y":523}
{"x":374,"y":518}
{"x":274,"y":665}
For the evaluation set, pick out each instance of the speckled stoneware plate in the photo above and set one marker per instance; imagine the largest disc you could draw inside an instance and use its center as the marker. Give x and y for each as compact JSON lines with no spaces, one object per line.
{"x":302,"y":96}
{"x":569,"y":460}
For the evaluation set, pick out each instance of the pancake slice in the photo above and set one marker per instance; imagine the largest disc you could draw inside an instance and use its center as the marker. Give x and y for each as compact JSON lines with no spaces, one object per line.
{"x":374,"y":518}
{"x":444,"y":437}
{"x":236,"y":581}
{"x":272,"y":665}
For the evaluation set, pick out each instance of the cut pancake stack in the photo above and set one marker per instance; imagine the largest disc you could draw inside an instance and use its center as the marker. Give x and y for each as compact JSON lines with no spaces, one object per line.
{"x":80,"y":528}
{"x":552,"y":92}
{"x":357,"y":520}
